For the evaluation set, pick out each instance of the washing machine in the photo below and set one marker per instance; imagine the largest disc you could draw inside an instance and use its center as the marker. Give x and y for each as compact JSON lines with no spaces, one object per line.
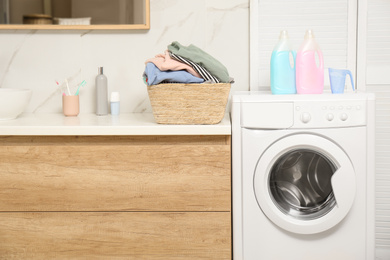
{"x":303,"y":176}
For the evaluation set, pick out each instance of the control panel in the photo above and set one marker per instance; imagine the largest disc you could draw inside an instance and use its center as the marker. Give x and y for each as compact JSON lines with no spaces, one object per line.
{"x":324,"y":114}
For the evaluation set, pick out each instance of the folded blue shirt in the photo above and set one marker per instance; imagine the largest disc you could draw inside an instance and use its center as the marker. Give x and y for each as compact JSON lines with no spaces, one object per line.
{"x":155,"y":76}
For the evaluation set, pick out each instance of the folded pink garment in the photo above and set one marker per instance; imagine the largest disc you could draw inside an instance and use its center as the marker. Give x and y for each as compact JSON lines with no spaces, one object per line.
{"x":164,"y":62}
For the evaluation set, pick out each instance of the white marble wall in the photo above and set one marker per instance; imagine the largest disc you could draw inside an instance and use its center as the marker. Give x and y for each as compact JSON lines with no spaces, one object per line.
{"x":35,"y":59}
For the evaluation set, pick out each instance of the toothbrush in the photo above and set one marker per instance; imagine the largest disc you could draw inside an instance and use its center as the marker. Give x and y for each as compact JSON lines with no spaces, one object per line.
{"x":63,"y":93}
{"x":81,"y":85}
{"x":67,"y":86}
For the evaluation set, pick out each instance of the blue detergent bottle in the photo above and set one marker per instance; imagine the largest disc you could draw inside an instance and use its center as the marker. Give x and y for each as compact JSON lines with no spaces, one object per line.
{"x":283,"y":66}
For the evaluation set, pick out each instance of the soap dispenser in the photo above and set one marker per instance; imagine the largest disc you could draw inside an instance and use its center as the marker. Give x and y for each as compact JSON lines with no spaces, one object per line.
{"x":101,"y":93}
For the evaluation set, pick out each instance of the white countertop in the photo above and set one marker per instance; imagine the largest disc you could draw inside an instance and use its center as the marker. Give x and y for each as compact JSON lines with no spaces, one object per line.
{"x":90,"y":124}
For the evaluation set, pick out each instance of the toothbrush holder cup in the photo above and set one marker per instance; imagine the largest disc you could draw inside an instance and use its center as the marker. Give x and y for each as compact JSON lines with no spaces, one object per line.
{"x":70,"y":105}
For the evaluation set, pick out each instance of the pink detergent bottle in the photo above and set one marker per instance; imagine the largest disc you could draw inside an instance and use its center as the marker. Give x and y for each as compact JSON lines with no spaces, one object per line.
{"x":309,"y":69}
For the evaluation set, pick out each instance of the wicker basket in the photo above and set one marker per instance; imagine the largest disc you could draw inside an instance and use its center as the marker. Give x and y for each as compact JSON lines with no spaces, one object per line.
{"x":189,"y":104}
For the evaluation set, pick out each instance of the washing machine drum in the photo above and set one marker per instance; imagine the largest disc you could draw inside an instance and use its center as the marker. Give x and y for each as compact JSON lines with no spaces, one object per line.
{"x":305,"y":184}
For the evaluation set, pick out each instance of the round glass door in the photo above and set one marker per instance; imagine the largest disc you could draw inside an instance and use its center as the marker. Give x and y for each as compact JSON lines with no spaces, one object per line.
{"x":300,"y":184}
{"x":304,"y":183}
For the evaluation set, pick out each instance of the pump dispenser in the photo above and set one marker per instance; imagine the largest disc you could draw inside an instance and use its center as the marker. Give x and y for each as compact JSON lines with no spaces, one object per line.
{"x":101,"y":93}
{"x":283,"y":66}
{"x":309,"y":66}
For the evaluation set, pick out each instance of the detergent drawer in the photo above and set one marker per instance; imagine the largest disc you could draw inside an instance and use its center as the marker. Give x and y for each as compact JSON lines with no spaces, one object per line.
{"x":266,"y":115}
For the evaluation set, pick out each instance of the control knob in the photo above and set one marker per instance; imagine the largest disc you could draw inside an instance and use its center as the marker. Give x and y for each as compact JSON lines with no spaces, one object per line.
{"x":330,"y":117}
{"x":343,"y":116}
{"x":305,"y":117}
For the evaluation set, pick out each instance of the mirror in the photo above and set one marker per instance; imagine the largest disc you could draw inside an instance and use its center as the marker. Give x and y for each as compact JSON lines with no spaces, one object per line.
{"x":75,"y":14}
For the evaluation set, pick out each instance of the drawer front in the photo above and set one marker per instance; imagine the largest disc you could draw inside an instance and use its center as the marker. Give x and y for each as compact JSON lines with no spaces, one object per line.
{"x":119,"y":235}
{"x":153,"y":173}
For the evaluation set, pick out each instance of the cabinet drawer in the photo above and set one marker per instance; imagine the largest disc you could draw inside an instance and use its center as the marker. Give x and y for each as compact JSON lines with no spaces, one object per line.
{"x":119,"y":235}
{"x":152,"y":173}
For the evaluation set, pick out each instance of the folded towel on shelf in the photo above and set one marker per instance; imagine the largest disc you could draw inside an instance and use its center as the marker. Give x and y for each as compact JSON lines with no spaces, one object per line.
{"x":153,"y":75}
{"x":165,"y":63}
{"x":203,"y":59}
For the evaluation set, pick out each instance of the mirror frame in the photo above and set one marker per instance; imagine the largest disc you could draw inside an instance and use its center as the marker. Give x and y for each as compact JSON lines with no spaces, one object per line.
{"x":145,"y":26}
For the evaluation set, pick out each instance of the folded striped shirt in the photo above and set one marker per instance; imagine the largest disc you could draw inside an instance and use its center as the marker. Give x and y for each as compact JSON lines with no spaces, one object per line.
{"x":205,"y":74}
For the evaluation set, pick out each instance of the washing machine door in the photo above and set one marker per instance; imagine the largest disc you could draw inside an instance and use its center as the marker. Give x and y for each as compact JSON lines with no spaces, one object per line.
{"x":304,"y":183}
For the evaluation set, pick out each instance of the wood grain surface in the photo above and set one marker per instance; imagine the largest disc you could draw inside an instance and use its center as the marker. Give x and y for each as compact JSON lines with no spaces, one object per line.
{"x":114,"y":174}
{"x":117,"y":197}
{"x":129,"y":235}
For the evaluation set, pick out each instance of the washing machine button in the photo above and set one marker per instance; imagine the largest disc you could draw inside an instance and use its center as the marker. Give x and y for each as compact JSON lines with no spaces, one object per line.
{"x":305,"y":118}
{"x":343,"y":116}
{"x":329,"y":117}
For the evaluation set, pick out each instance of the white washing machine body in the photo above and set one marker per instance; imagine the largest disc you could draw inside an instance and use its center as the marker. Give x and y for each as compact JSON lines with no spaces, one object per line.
{"x":303,"y":176}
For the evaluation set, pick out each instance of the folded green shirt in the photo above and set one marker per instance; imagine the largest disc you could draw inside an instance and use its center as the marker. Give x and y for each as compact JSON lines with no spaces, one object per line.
{"x":200,"y":57}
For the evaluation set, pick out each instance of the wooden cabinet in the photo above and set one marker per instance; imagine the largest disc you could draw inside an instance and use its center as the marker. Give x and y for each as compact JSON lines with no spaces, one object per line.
{"x":130,"y":197}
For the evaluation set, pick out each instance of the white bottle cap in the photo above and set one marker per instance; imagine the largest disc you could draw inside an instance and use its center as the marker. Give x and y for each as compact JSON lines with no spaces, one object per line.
{"x":283,"y":34}
{"x":114,"y":97}
{"x":309,"y":34}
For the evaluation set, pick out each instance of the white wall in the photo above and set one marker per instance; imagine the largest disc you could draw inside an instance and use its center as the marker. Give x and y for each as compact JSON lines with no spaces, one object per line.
{"x":36,"y":58}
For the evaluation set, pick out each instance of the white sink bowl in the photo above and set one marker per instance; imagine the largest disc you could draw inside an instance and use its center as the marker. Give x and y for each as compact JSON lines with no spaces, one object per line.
{"x":13,"y":102}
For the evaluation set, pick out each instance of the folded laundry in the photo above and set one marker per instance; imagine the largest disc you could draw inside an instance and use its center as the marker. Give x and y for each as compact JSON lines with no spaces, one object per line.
{"x":164,"y":63}
{"x":201,"y":58}
{"x":207,"y":76}
{"x":155,"y":76}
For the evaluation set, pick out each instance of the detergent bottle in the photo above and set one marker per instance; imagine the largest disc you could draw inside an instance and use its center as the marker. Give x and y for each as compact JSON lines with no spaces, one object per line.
{"x":282,"y":70}
{"x":309,"y":69}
